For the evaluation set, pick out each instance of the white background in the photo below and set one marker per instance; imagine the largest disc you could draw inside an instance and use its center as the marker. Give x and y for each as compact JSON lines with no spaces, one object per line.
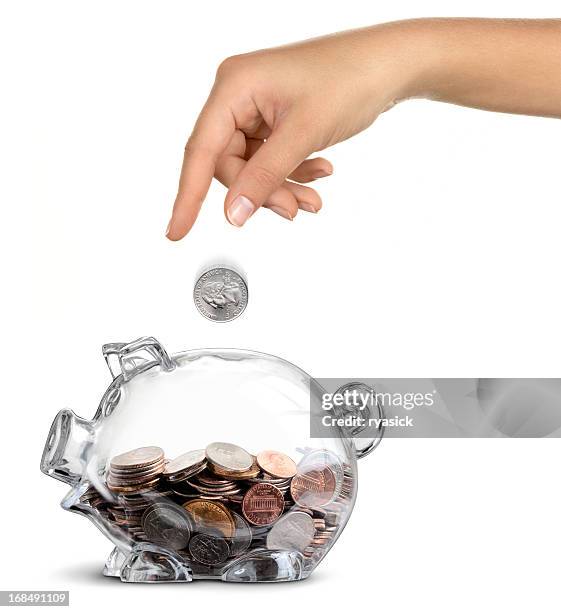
{"x":436,"y":254}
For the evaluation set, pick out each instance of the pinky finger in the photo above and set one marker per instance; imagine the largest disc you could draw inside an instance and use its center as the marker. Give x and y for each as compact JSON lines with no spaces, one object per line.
{"x":308,"y":199}
{"x":311,"y":169}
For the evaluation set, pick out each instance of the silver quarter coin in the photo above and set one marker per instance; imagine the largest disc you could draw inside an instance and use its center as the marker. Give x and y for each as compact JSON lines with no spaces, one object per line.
{"x":220,"y":295}
{"x":168,"y":525}
{"x":229,"y":457}
{"x":294,"y":531}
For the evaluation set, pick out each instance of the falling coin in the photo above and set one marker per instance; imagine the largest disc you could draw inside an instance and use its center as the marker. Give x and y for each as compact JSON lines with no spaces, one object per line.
{"x":220,"y":295}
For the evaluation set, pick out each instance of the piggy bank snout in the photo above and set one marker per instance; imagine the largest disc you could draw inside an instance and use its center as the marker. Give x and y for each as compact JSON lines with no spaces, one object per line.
{"x":64,"y":452}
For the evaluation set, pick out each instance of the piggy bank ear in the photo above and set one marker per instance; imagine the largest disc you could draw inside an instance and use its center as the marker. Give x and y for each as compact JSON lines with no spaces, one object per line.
{"x":361,"y":400}
{"x":129,"y":359}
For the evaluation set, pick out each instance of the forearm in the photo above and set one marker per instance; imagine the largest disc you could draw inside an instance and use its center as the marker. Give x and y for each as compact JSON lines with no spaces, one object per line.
{"x":503,"y":65}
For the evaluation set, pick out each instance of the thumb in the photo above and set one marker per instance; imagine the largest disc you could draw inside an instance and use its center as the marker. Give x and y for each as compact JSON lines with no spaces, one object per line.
{"x":265,"y":171}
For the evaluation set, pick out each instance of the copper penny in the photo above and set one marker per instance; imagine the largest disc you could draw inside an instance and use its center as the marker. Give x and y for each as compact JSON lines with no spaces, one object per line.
{"x":313,"y":486}
{"x":211,"y":514}
{"x":262,"y":504}
{"x":276,"y":464}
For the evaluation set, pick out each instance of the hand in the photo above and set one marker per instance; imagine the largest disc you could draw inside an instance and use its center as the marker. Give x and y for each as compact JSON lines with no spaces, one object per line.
{"x":269,"y":110}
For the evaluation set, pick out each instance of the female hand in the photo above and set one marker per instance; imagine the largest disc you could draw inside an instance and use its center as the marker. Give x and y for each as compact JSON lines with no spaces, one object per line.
{"x":270,"y":110}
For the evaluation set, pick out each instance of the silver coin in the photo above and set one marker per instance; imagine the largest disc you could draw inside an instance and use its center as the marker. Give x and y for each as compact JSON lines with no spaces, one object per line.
{"x":185,"y":462}
{"x":229,"y":457}
{"x":241,"y":540}
{"x":294,"y":531}
{"x":168,"y":525}
{"x":143,"y":457}
{"x":220,"y":295}
{"x":209,"y":549}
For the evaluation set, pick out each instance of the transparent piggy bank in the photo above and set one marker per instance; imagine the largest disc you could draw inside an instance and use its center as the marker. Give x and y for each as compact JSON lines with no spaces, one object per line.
{"x":201,"y":465}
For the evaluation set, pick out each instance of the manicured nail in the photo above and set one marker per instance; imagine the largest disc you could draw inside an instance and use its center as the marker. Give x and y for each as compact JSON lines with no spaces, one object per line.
{"x":307,"y":207}
{"x":240,"y":210}
{"x":280,"y":211}
{"x":322,"y":173}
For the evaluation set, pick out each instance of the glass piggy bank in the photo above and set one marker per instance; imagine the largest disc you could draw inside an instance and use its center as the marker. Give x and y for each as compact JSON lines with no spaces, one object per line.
{"x":201,"y":465}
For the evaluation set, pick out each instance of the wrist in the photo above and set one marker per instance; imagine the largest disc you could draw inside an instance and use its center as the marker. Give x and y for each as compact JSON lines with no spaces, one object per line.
{"x":407,"y":57}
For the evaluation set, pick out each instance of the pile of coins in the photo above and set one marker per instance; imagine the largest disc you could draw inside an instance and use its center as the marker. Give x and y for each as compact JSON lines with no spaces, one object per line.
{"x":215,"y":505}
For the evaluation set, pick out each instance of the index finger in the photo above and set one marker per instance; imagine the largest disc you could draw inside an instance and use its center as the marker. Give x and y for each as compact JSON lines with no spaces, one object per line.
{"x":210,"y":137}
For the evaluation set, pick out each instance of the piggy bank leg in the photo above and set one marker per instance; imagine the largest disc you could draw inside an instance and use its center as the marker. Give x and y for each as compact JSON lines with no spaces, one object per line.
{"x":114,"y":563}
{"x":266,"y":566}
{"x":150,"y":563}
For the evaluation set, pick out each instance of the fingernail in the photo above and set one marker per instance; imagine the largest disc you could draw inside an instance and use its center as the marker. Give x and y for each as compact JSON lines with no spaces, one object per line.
{"x":307,"y":207}
{"x":240,"y":210}
{"x":280,"y":211}
{"x":168,"y":228}
{"x":322,"y":173}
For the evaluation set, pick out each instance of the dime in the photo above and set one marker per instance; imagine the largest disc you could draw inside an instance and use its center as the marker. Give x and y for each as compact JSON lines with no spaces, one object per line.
{"x":276,"y":464}
{"x":138,"y":458}
{"x":262,"y":504}
{"x":185,"y":462}
{"x":167,"y":525}
{"x":242,"y":537}
{"x":293,"y":531}
{"x":313,"y":487}
{"x":228,"y":457}
{"x":210,"y":514}
{"x":220,"y":295}
{"x":209,"y":549}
